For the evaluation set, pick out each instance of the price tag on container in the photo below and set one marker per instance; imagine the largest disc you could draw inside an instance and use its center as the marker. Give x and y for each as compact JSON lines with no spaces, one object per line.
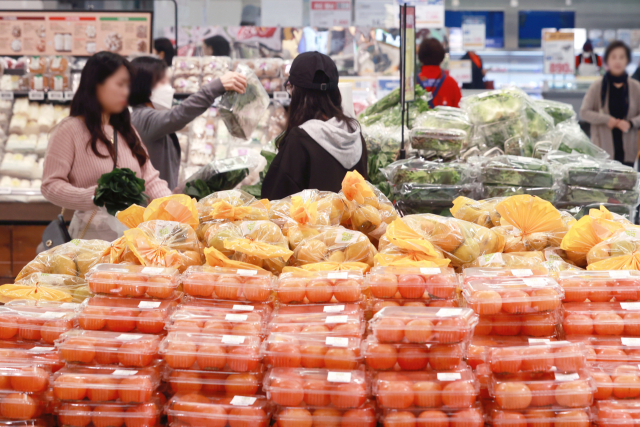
{"x":630,"y":341}
{"x":339,"y":377}
{"x":333,"y":308}
{"x":243,"y":400}
{"x":6,"y":95}
{"x":239,"y":307}
{"x":539,"y":341}
{"x":233,"y":339}
{"x":449,"y":376}
{"x":35,"y":95}
{"x":567,"y":377}
{"x":336,"y":319}
{"x":41,"y":349}
{"x":340,"y":275}
{"x":619,"y":274}
{"x":129,"y":337}
{"x":52,"y":315}
{"x":152,"y":270}
{"x":72,"y":305}
{"x":124,"y":372}
{"x":149,"y":304}
{"x":534,"y":282}
{"x":337,"y":341}
{"x":236,"y":317}
{"x":247,"y":272}
{"x":448,"y":312}
{"x":522,"y":272}
{"x":424,"y":270}
{"x":55,"y":95}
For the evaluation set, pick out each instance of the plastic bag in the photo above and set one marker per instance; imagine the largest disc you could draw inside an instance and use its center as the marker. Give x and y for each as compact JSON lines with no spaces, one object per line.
{"x":119,"y":253}
{"x":420,"y":171}
{"x":559,"y":111}
{"x":516,"y":170}
{"x":46,"y":287}
{"x":177,"y":207}
{"x":438,"y":143}
{"x":164,"y":244}
{"x":309,"y":208}
{"x":74,"y":258}
{"x":230,"y":206}
{"x":517,"y":260}
{"x":570,"y":138}
{"x":495,"y":105}
{"x":434,"y":119}
{"x":598,"y":173}
{"x":242,"y":112}
{"x":219,"y":175}
{"x":481,"y":212}
{"x":132,"y":216}
{"x":619,"y":252}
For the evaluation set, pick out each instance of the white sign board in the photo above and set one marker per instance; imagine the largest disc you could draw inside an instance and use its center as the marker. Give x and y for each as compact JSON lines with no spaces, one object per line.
{"x":429,"y":13}
{"x":330,"y":13}
{"x":558,"y":53}
{"x":460,"y":70}
{"x":281,"y":13}
{"x":474,"y":30}
{"x":375,"y":13}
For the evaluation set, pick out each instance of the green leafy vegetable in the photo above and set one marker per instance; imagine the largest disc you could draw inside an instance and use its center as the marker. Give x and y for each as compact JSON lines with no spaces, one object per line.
{"x":256,"y":189}
{"x":119,"y":189}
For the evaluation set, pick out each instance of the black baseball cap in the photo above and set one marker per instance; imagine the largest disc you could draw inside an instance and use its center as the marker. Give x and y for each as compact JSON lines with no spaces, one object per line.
{"x":313,"y":70}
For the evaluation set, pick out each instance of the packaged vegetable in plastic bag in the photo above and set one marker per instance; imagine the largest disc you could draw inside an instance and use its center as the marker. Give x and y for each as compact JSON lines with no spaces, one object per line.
{"x":164,"y":244}
{"x":559,"y":111}
{"x":132,"y":216}
{"x":435,"y":119}
{"x":241,"y":243}
{"x":403,"y":246}
{"x":177,"y":207}
{"x":495,"y":105}
{"x":230,"y":206}
{"x":516,"y":170}
{"x":570,"y":138}
{"x":619,"y":252}
{"x":438,"y":143}
{"x":242,"y":112}
{"x":599,"y":173}
{"x":119,"y":253}
{"x":481,"y":212}
{"x":220,"y":175}
{"x":509,"y":135}
{"x":74,"y":258}
{"x":383,"y":146}
{"x":46,"y":287}
{"x":420,"y":171}
{"x":539,"y":125}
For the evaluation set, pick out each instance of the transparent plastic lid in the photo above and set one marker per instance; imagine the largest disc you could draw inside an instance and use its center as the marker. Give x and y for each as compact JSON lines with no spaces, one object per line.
{"x":108,"y":348}
{"x":412,"y":282}
{"x":420,"y":325}
{"x":316,"y":387}
{"x":600,"y":348}
{"x":290,"y":350}
{"x":375,"y":304}
{"x":198,"y":409}
{"x":365,"y":416}
{"x":616,"y":412}
{"x":331,"y":321}
{"x":21,"y":406}
{"x":547,"y":416}
{"x":477,"y":273}
{"x":320,"y":287}
{"x":266,"y":307}
{"x":570,"y":390}
{"x":442,"y":416}
{"x":600,"y":286}
{"x":36,"y":322}
{"x":118,"y":314}
{"x":297,"y":309}
{"x":411,"y":357}
{"x":602,"y":318}
{"x":229,"y":284}
{"x":558,"y":356}
{"x":133,"y":280}
{"x":453,"y":389}
{"x":219,"y":320}
{"x":31,"y":353}
{"x":616,"y":380}
{"x":211,"y":381}
{"x":110,"y":413}
{"x":22,"y":377}
{"x":480,"y":346}
{"x":186,"y":350}
{"x":531,"y":325}
{"x":42,"y":421}
{"x":105,"y":384}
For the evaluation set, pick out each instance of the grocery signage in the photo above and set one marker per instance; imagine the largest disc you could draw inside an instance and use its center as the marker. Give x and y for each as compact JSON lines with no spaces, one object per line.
{"x":375,"y":13}
{"x":429,"y":13}
{"x":558,"y":53}
{"x":474,"y":29}
{"x":460,"y":70}
{"x":74,"y":33}
{"x":330,"y":13}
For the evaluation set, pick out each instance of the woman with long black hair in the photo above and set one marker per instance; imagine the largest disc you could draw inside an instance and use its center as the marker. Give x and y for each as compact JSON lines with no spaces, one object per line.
{"x":82,"y":147}
{"x":320,"y":143}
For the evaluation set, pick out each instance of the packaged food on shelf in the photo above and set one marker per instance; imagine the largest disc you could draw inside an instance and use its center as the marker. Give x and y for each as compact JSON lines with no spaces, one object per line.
{"x":489,"y":191}
{"x":599,"y":173}
{"x":320,"y":287}
{"x":313,"y":309}
{"x":412,"y":282}
{"x":290,"y":350}
{"x":618,"y":252}
{"x":306,"y":212}
{"x":451,"y":389}
{"x":584,"y":195}
{"x":569,"y":390}
{"x":551,"y":416}
{"x":30,"y":353}
{"x":469,"y":417}
{"x":216,"y":66}
{"x":110,"y":414}
{"x":229,"y":205}
{"x":59,"y":82}
{"x":231,"y":284}
{"x":539,"y":125}
{"x":198,"y":409}
{"x":560,"y":111}
{"x":601,"y":348}
{"x":186,"y":84}
{"x":481,"y":345}
{"x":43,"y":321}
{"x":517,"y":171}
{"x":108,"y":348}
{"x":375,"y":304}
{"x":105,"y":384}
{"x":440,"y":143}
{"x":208,"y":351}
{"x":536,"y":357}
{"x":41,"y":421}
{"x":58,"y":64}
{"x":440,"y":119}
{"x":39,"y":82}
{"x":420,"y":171}
{"x":332,"y":321}
{"x":186,"y":66}
{"x":37,"y":64}
{"x":414,"y":197}
{"x":602,"y":318}
{"x":219,"y":174}
{"x":24,"y":377}
{"x":533,"y":325}
{"x":225,"y":381}
{"x":615,"y":380}
{"x":492,"y":272}
{"x":341,"y":389}
{"x":508,"y":135}
{"x":600,"y":286}
{"x":21,"y":406}
{"x":364,"y":416}
{"x":199,"y":316}
{"x":133,"y":280}
{"x":495,"y":105}
{"x":411,"y":357}
{"x":568,"y":137}
{"x":423,"y":325}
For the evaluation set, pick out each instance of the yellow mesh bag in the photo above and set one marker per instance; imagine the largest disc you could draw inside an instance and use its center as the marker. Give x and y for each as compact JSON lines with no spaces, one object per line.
{"x":132,"y":216}
{"x":481,"y":212}
{"x":619,"y":252}
{"x":178,"y":207}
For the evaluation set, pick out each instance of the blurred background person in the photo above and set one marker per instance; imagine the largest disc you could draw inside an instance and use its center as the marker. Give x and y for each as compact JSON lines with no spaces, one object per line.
{"x":477,"y":71}
{"x":216,"y":46}
{"x":443,"y":88}
{"x":588,"y":63}
{"x":164,"y":49}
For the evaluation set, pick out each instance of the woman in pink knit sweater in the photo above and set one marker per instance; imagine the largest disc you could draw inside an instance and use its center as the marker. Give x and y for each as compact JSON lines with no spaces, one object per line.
{"x":81,"y":147}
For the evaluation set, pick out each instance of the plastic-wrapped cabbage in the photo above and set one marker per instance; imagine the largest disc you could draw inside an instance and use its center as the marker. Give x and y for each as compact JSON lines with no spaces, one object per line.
{"x":219,"y":175}
{"x":432,"y":194}
{"x":517,"y":171}
{"x":441,"y":143}
{"x":568,"y":137}
{"x":445,"y":120}
{"x":559,"y":111}
{"x":383,"y":146}
{"x":420,"y":171}
{"x":453,"y":111}
{"x":509,"y":135}
{"x":584,"y":195}
{"x":539,"y":123}
{"x":541,"y":149}
{"x":242,"y":112}
{"x":606,"y":174}
{"x":495,"y":105}
{"x":546,"y":193}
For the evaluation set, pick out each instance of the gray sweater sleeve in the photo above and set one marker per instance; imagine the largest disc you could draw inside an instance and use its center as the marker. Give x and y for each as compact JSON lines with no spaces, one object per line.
{"x":153,"y":124}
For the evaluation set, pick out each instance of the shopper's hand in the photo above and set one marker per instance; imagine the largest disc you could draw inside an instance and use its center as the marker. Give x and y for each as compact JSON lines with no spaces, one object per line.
{"x":613,"y":122}
{"x":623,"y":125}
{"x":234,"y":81}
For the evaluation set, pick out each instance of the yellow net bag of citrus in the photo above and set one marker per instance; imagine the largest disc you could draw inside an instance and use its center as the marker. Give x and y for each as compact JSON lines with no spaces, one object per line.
{"x":178,"y":207}
{"x":46,"y":287}
{"x":619,"y":252}
{"x":230,"y":206}
{"x":481,"y":212}
{"x":132,"y":216}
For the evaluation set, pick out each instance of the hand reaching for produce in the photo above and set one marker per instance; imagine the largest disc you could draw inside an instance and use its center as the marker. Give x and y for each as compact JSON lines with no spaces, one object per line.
{"x":234,"y":81}
{"x":613,"y":122}
{"x":623,"y":125}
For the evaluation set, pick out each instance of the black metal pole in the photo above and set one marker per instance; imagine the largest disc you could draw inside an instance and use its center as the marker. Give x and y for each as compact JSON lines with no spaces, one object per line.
{"x":403,"y":65}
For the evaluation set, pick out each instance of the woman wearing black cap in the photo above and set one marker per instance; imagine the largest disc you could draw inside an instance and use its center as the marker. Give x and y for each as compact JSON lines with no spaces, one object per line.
{"x":320,"y":143}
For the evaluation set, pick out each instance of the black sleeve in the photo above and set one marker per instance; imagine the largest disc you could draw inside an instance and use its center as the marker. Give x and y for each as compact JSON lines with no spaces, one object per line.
{"x":363,"y":164}
{"x":289,"y":171}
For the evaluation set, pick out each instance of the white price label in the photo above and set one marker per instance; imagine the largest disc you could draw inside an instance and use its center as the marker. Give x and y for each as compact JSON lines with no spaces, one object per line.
{"x":337,"y":341}
{"x":534,"y":282}
{"x":35,"y":95}
{"x":41,"y":349}
{"x":53,"y":315}
{"x":231,"y":317}
{"x":346,"y":237}
{"x":280,"y":95}
{"x":567,"y":377}
{"x":448,"y":312}
{"x":68,"y":95}
{"x":117,"y":270}
{"x":449,"y":376}
{"x":539,"y":341}
{"x":247,"y":272}
{"x":630,"y":305}
{"x":71,"y":305}
{"x":129,"y":337}
{"x":239,"y":307}
{"x":619,"y":274}
{"x":339,"y":377}
{"x":243,"y":400}
{"x":333,"y":308}
{"x":6,"y":96}
{"x":340,"y":275}
{"x":337,"y":319}
{"x":124,"y":372}
{"x":233,"y":339}
{"x":430,"y":270}
{"x":630,"y":341}
{"x":5,"y":190}
{"x":149,"y":304}
{"x":55,"y":95}
{"x":522,"y":272}
{"x":152,"y":270}
{"x":490,"y":259}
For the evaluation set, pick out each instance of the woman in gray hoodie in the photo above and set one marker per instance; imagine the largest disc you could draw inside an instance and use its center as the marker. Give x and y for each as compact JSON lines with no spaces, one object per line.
{"x":157,"y":121}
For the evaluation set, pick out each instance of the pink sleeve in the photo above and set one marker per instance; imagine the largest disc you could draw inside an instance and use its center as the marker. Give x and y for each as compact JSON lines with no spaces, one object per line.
{"x":58,"y":162}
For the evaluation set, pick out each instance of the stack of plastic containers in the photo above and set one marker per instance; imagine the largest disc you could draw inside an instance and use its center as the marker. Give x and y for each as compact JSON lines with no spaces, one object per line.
{"x":113,"y":372}
{"x":212,"y":349}
{"x":312,"y":349}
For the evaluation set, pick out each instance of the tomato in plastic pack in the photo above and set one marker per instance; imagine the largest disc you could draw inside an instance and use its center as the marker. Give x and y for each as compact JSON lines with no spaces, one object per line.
{"x":228,"y":284}
{"x":215,"y":410}
{"x":40,"y":321}
{"x":375,"y":305}
{"x":334,"y":320}
{"x":30,"y":353}
{"x":534,"y":325}
{"x":484,"y":273}
{"x":110,"y":348}
{"x":602,"y":318}
{"x":616,"y":413}
{"x":434,"y":417}
{"x":234,"y":320}
{"x":212,"y":352}
{"x":207,"y":381}
{"x":412,"y":283}
{"x":600,"y":286}
{"x":41,"y":421}
{"x":422,"y":325}
{"x":315,"y":287}
{"x":133,"y":281}
{"x":365,"y":416}
{"x":561,"y":356}
{"x":411,"y":357}
{"x":616,"y":380}
{"x":21,"y":406}
{"x":480,"y":346}
{"x":110,"y":414}
{"x":540,"y":417}
{"x":23,"y":376}
{"x":285,"y":350}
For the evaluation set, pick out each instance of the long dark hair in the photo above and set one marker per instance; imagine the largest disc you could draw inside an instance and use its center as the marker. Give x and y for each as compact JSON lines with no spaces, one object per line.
{"x":85,"y":104}
{"x":146,"y":72}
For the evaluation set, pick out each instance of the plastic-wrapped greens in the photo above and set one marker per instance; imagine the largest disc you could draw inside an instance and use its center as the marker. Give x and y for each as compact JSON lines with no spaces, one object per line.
{"x":559,"y":111}
{"x":242,"y":112}
{"x":584,"y":195}
{"x":539,"y":125}
{"x":509,"y":135}
{"x":490,"y":191}
{"x":383,"y":146}
{"x":440,"y":143}
{"x":438,"y":119}
{"x":606,"y":174}
{"x":420,"y":171}
{"x":568,"y":137}
{"x":430,"y":194}
{"x":495,"y":105}
{"x":517,"y":171}
{"x":542,"y":148}
{"x":220,"y":175}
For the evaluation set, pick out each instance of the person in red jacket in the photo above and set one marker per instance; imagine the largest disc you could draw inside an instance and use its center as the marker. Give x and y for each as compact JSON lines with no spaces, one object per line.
{"x":443,"y":88}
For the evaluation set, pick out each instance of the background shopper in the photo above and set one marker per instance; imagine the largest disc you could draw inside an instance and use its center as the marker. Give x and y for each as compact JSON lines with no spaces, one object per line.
{"x":477,"y":71}
{"x":164,"y":49}
{"x":443,"y":88}
{"x":320,"y":143}
{"x":612,"y":107}
{"x":81,"y":147}
{"x":216,"y":46}
{"x":588,"y":63}
{"x":157,"y":121}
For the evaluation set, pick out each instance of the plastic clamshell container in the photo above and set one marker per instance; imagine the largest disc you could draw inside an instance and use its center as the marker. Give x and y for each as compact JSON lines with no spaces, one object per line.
{"x":479,"y":347}
{"x":108,"y":348}
{"x":297,"y":309}
{"x":532,"y":325}
{"x":621,"y":413}
{"x":43,"y":322}
{"x":221,"y":381}
{"x":521,"y":295}
{"x":558,"y":356}
{"x":412,"y":282}
{"x":236,"y":306}
{"x":547,"y":416}
{"x":375,"y":305}
{"x":602,"y":318}
{"x":600,"y":348}
{"x":290,"y":350}
{"x":199,"y":409}
{"x":133,"y":280}
{"x":105,"y":384}
{"x":482,"y":273}
{"x":422,"y":325}
{"x":468,"y":417}
{"x":42,"y":421}
{"x":365,"y":416}
{"x":316,"y":387}
{"x":30,"y":353}
{"x":616,"y":380}
{"x":411,"y":357}
{"x":320,"y":287}
{"x":24,"y":377}
{"x":600,"y":286}
{"x":570,"y":390}
{"x":453,"y":389}
{"x":110,"y":414}
{"x":228,"y":284}
{"x":331,"y":321}
{"x":186,"y":350}
{"x":118,"y":314}
{"x":218,"y":320}
{"x":21,"y":406}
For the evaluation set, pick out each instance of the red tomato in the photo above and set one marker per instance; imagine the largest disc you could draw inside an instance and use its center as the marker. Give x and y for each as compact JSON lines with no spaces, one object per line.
{"x":144,"y":415}
{"x":122,"y":320}
{"x":459,"y":394}
{"x":411,"y":285}
{"x":316,"y":392}
{"x":512,"y":395}
{"x":575,"y":290}
{"x":419,"y":331}
{"x":346,"y":290}
{"x":284,"y":355}
{"x":103,"y":282}
{"x":107,"y":416}
{"x":427,"y":394}
{"x":136,"y":354}
{"x":29,"y":328}
{"x":604,"y":384}
{"x":185,"y":382}
{"x":198,"y":285}
{"x":295,"y":417}
{"x":78,"y":349}
{"x":381,"y":356}
{"x":30,"y":380}
{"x":312,"y":356}
{"x":537,"y":359}
{"x":8,"y":327}
{"x":18,"y":406}
{"x":358,"y":418}
{"x":451,"y":331}
{"x":486,"y":303}
{"x":574,"y":394}
{"x":242,"y":384}
{"x":160,"y":287}
{"x":577,"y":418}
{"x":413,"y":358}
{"x":443,"y":357}
{"x":542,"y":393}
{"x":399,"y":419}
{"x":349,"y":395}
{"x":319,"y":290}
{"x":247,"y":417}
{"x":389,"y":330}
{"x":74,"y":415}
{"x":467,"y":418}
{"x":608,"y":324}
{"x":383,"y":285}
{"x":180,"y":354}
{"x":539,"y":325}
{"x":544,"y":299}
{"x":133,"y":286}
{"x":569,"y":358}
{"x":516,"y":302}
{"x":211,"y":356}
{"x":227,"y":287}
{"x":433,"y":418}
{"x":340,"y":358}
{"x":67,"y":387}
{"x":102,"y":390}
{"x":150,"y":322}
{"x":509,"y":419}
{"x":287,"y":391}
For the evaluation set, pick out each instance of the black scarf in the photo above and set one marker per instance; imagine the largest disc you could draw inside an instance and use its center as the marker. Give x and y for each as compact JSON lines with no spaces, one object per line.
{"x":607,"y":81}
